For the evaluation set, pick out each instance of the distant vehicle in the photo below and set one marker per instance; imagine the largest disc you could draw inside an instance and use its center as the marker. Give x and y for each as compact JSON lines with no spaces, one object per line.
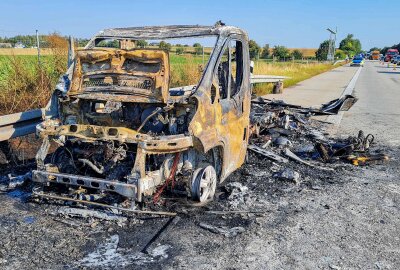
{"x":375,"y":55}
{"x":357,"y":61}
{"x":382,"y":58}
{"x":390,"y":54}
{"x":396,"y":60}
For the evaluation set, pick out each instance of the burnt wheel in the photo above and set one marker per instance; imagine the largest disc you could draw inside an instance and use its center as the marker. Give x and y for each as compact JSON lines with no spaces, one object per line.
{"x":204,"y":183}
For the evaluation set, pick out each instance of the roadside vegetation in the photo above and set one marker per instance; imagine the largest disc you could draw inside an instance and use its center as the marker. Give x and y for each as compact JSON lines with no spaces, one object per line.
{"x":296,"y":72}
{"x":348,"y":47}
{"x":27,"y":84}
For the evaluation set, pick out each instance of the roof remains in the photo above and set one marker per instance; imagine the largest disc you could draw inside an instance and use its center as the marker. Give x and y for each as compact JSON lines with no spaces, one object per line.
{"x":162,"y":32}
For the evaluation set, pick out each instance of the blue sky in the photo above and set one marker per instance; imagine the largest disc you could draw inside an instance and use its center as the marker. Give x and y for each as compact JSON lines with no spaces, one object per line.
{"x":291,"y":23}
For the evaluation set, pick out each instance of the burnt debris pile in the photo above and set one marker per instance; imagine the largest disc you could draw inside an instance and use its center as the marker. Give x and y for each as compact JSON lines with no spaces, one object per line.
{"x":284,"y":132}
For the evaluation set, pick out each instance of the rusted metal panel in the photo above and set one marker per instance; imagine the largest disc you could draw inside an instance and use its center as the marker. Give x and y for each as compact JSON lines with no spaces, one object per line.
{"x":136,"y":75}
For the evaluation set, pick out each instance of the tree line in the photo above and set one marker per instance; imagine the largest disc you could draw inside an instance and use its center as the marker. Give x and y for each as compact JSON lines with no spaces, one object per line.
{"x":280,"y":52}
{"x":29,"y":41}
{"x":386,"y":48}
{"x":348,"y":47}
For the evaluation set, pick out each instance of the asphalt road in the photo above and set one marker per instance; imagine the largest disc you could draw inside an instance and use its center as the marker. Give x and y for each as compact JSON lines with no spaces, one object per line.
{"x":378,"y":108}
{"x":347,"y":219}
{"x":318,"y":89}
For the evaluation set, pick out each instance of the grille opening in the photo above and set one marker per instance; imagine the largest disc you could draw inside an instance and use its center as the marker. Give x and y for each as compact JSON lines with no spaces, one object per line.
{"x":80,"y":182}
{"x":113,"y":132}
{"x":73,"y":128}
{"x":94,"y":184}
{"x":65,"y":180}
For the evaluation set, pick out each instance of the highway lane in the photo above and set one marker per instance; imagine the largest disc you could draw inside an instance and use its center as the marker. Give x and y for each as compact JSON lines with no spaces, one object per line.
{"x":378,"y":108}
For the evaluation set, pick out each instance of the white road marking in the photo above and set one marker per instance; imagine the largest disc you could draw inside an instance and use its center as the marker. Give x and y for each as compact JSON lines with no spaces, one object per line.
{"x":336,"y":119}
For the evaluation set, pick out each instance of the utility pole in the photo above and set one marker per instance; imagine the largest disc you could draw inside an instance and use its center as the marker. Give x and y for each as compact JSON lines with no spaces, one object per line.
{"x":38,"y":46}
{"x":203,"y":55}
{"x":332,"y":45}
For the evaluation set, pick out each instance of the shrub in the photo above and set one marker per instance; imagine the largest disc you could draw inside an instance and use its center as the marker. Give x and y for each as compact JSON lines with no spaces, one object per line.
{"x":297,"y":54}
{"x":164,"y":46}
{"x":281,"y":52}
{"x":265,"y":51}
{"x":180,"y":50}
{"x":254,"y":49}
{"x":198,"y":50}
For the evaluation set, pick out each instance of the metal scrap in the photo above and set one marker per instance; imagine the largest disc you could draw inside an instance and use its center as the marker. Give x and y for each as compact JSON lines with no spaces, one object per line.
{"x":88,"y":213}
{"x":225,"y":231}
{"x":266,"y":153}
{"x":11,"y":182}
{"x":288,"y":174}
{"x":343,"y":103}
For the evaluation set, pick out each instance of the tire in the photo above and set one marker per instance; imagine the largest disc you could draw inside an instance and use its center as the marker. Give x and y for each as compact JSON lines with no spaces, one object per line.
{"x":204,"y":184}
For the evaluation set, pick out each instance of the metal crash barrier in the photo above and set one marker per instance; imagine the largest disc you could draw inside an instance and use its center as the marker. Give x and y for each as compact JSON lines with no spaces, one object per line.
{"x":19,"y":124}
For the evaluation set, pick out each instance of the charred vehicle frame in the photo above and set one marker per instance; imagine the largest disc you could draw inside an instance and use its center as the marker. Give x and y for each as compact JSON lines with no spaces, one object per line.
{"x":120,"y":129}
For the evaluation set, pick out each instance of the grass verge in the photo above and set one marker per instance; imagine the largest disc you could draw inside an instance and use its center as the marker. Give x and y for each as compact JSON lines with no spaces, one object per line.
{"x":296,"y":71}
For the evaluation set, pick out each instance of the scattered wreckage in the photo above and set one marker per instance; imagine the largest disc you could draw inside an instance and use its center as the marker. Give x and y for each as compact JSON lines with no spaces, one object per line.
{"x":283,"y":132}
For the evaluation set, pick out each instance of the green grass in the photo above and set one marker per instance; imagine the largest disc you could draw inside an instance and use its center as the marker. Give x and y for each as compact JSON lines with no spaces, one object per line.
{"x":296,"y":71}
{"x":22,"y":81}
{"x":29,"y":62}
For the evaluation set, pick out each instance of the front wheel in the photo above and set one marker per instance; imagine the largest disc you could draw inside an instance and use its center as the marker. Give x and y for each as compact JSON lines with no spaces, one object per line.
{"x":204,"y":184}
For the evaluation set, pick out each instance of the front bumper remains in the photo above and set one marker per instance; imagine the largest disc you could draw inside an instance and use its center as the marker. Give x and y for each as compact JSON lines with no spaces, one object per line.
{"x":124,"y":189}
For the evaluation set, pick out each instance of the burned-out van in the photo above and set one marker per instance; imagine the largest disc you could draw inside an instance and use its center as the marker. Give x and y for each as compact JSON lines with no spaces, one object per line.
{"x":122,"y":130}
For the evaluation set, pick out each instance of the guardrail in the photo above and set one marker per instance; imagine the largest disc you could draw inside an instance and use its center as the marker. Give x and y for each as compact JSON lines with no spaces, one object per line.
{"x":19,"y":124}
{"x":266,"y":79}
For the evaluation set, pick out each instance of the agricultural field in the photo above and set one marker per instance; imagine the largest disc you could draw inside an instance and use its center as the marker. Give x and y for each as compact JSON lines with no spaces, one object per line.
{"x":307,"y":52}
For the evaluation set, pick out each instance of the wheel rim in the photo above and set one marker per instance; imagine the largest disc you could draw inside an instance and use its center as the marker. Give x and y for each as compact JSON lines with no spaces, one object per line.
{"x":204,"y":184}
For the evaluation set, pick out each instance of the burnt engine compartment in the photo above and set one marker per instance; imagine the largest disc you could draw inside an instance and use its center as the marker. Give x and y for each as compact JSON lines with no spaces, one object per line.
{"x":114,"y":161}
{"x":150,"y":118}
{"x":109,"y":160}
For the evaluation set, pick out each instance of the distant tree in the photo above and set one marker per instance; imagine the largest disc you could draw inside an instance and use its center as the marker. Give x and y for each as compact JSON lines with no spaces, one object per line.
{"x":109,"y":43}
{"x":374,"y":49}
{"x":142,"y":43}
{"x":198,"y":50}
{"x":384,"y":50}
{"x":265,"y":51}
{"x":322,"y":52}
{"x":165,"y":46}
{"x":185,"y":45}
{"x":350,"y":45}
{"x":281,"y":52}
{"x":297,"y":54}
{"x":339,"y":54}
{"x":82,"y":41}
{"x":254,"y":49}
{"x":180,"y":50}
{"x":396,"y":46}
{"x":197,"y":45}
